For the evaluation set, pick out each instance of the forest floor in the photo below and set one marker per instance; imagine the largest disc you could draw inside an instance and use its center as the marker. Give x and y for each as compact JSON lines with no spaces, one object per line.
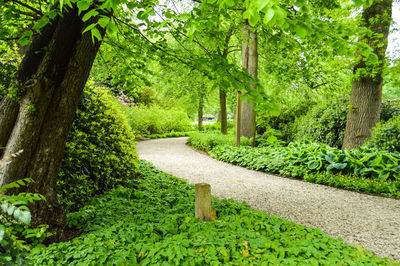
{"x":359,"y":219}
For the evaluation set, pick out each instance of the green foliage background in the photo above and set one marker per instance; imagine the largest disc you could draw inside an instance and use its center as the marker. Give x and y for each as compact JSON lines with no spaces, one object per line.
{"x":326,"y":122}
{"x":386,"y":135}
{"x":146,"y":120}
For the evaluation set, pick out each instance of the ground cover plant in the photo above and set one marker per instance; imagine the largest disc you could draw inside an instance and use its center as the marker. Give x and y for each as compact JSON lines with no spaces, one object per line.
{"x":151,"y":221}
{"x":363,"y":169}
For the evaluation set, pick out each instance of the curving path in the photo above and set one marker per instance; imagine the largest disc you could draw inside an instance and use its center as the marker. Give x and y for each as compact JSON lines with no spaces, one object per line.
{"x":358,"y":218}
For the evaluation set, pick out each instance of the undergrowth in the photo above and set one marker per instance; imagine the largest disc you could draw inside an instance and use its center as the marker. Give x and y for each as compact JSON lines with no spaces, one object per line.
{"x":151,"y":222}
{"x":364,"y":169}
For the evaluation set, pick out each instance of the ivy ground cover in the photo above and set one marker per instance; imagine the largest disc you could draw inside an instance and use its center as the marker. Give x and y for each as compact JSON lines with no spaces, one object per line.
{"x":151,"y":221}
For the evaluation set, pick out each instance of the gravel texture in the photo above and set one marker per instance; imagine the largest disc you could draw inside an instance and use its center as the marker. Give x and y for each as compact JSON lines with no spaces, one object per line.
{"x":372,"y":221}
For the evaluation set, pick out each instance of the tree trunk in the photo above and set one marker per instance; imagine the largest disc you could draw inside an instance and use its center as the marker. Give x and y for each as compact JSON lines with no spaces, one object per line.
{"x":50,"y":80}
{"x":366,"y":90}
{"x":250,"y":62}
{"x":238,"y":118}
{"x":223,"y":115}
{"x":8,"y":116}
{"x":222,"y":92}
{"x":200,"y":114}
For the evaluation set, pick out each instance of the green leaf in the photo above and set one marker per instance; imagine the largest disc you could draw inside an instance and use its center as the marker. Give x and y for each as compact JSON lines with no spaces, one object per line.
{"x":301,"y":31}
{"x":96,"y":33}
{"x":261,"y":4}
{"x":358,"y":3}
{"x":83,"y":6}
{"x":25,"y":217}
{"x":4,"y":206}
{"x":88,"y":15}
{"x":41,"y":23}
{"x":88,"y":28}
{"x":61,"y":4}
{"x":2,"y":232}
{"x":103,"y":22}
{"x":268,"y":15}
{"x":10,"y":210}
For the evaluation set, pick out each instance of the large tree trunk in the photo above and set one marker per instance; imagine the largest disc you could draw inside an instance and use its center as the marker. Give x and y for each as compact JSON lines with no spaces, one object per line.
{"x":250,"y":62}
{"x":366,"y":90}
{"x":8,"y":116}
{"x":200,"y":114}
{"x":50,"y":80}
{"x":223,"y":115}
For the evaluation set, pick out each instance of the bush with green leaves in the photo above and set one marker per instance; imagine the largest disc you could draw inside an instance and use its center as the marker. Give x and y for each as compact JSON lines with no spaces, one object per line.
{"x":100,"y":152}
{"x":386,"y":135}
{"x":217,"y":126}
{"x":371,"y":170}
{"x":147,"y":120}
{"x":285,"y":122}
{"x":152,"y":222}
{"x":326,"y":122}
{"x":207,"y":141}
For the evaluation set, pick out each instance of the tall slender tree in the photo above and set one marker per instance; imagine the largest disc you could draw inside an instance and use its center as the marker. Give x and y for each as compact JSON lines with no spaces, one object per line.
{"x":250,"y":63}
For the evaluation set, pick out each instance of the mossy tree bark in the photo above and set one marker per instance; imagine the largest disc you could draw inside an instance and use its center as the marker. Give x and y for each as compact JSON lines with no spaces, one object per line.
{"x":250,"y":62}
{"x":50,"y":81}
{"x":366,"y":90}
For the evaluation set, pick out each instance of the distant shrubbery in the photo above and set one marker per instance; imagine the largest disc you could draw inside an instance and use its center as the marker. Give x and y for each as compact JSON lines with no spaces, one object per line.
{"x":147,"y":120}
{"x":285,"y":124}
{"x":386,"y":135}
{"x":168,"y":135}
{"x":217,"y":126}
{"x":207,"y":141}
{"x":100,"y":151}
{"x":326,"y":122}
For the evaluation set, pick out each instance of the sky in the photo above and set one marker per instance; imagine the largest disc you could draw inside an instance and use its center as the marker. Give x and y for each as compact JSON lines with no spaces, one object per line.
{"x":394,"y":35}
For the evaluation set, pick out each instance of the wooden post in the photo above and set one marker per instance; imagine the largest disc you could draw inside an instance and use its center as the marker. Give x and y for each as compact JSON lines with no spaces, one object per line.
{"x":203,"y":201}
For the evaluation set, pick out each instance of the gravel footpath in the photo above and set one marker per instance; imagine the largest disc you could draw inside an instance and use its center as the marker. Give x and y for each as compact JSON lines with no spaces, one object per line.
{"x":371,"y":221}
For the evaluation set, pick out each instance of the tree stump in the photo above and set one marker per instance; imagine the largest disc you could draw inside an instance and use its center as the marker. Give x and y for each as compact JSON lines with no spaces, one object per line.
{"x":203,"y":201}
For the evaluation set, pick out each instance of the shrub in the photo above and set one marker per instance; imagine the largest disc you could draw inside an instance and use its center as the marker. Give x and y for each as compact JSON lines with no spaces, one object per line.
{"x":362,"y":169}
{"x":285,"y":122}
{"x":326,"y":122}
{"x":147,"y":120}
{"x":217,"y":126}
{"x":168,"y":135}
{"x":100,"y":151}
{"x":386,"y":135}
{"x":207,"y":141}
